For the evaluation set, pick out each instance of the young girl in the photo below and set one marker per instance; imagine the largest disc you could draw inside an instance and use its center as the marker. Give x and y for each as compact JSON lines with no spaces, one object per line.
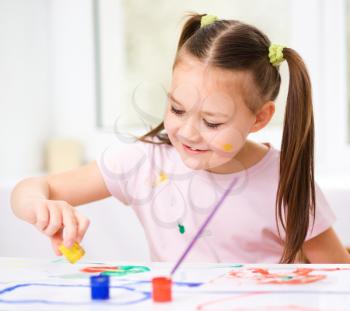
{"x":224,"y":83}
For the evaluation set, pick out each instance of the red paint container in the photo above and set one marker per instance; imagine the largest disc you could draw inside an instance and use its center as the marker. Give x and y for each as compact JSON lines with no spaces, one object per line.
{"x":161,"y":289}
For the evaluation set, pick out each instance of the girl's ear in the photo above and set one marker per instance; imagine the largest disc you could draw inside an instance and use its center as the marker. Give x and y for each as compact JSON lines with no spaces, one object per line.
{"x":263,"y":116}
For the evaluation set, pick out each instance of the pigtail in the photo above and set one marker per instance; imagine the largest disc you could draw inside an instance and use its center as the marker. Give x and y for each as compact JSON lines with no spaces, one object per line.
{"x":192,"y":24}
{"x":295,"y":200}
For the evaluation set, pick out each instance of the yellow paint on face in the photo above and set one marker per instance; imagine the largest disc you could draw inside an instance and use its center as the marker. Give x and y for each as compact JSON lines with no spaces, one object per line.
{"x":227,"y":147}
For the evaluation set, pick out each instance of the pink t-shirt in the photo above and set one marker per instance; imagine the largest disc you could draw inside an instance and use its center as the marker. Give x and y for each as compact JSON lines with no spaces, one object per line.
{"x":169,"y":198}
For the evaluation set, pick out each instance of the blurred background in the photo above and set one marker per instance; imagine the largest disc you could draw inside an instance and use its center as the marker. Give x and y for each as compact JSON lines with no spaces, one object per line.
{"x":74,"y":72}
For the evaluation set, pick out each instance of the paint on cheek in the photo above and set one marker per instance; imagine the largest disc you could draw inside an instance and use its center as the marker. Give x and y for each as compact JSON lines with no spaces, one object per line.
{"x":226,"y":143}
{"x":223,"y":150}
{"x":227,"y":147}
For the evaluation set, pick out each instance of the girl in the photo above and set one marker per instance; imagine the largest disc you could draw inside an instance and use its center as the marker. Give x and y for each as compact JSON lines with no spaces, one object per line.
{"x":224,"y":83}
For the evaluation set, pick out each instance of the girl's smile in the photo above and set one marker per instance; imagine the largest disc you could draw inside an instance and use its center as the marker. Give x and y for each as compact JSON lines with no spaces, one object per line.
{"x":192,"y":150}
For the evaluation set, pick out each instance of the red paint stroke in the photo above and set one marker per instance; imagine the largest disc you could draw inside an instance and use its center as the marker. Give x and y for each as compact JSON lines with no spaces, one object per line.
{"x":331,"y":269}
{"x":298,"y":280}
{"x":303,"y":271}
{"x":263,"y":276}
{"x":98,"y":269}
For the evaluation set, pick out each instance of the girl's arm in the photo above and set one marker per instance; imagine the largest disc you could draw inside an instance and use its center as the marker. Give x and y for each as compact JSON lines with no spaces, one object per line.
{"x":48,"y":202}
{"x":79,"y":186}
{"x":326,"y":248}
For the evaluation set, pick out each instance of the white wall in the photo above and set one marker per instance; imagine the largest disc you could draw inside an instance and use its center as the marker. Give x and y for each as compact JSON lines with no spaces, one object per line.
{"x":72,"y":71}
{"x":47,"y":81}
{"x":72,"y":54}
{"x":24,"y":85}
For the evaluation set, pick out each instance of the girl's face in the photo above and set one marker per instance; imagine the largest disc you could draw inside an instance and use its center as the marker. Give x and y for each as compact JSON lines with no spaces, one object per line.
{"x":206,"y":119}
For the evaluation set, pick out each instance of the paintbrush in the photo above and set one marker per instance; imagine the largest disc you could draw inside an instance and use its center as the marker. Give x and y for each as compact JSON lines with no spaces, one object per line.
{"x":204,"y":225}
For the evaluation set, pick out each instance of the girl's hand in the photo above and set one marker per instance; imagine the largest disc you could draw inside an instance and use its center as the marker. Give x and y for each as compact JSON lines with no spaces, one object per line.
{"x":60,"y":222}
{"x":43,"y":202}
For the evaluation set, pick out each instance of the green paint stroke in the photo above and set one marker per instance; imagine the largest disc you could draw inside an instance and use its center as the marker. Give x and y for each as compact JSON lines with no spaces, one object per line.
{"x":286,"y":277}
{"x":236,"y":266}
{"x":181,"y":228}
{"x":126,"y":270}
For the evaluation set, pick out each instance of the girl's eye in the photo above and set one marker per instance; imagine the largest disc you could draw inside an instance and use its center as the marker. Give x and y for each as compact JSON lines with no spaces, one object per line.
{"x":177,"y":111}
{"x":212,"y":125}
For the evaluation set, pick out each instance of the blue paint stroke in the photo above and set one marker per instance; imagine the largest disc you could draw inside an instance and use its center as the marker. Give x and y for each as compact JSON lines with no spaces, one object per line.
{"x":145,"y":295}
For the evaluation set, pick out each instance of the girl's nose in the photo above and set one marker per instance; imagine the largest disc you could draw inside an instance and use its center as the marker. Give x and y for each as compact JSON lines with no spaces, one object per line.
{"x":189,"y":131}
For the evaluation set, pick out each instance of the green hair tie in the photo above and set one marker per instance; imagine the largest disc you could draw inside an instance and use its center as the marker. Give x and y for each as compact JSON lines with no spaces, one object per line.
{"x":208,"y":19}
{"x":276,"y":54}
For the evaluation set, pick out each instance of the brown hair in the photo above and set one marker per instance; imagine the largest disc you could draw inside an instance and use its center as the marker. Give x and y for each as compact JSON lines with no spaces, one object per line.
{"x":233,"y":45}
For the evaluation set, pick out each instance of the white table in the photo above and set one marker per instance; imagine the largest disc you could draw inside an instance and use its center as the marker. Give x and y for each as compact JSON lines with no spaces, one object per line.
{"x":45,"y":284}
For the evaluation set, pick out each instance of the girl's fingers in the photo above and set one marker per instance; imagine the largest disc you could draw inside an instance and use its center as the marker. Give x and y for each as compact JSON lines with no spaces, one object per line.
{"x":83,"y":224}
{"x":42,"y":217}
{"x":61,"y":223}
{"x":55,"y":220}
{"x":70,"y":226}
{"x":56,"y":241}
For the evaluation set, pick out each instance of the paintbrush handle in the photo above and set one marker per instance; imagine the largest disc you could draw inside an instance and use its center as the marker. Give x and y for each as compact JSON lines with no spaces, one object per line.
{"x":204,"y":225}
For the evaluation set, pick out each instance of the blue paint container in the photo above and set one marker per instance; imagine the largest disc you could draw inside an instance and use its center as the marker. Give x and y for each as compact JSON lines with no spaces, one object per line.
{"x":99,"y":287}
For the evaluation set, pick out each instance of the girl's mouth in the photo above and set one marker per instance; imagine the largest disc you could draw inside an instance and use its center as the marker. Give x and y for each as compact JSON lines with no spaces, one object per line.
{"x":191,"y":150}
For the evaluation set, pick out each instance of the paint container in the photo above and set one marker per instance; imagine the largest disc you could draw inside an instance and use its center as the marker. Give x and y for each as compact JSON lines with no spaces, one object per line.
{"x":99,"y":287}
{"x":72,"y":254}
{"x":161,"y":289}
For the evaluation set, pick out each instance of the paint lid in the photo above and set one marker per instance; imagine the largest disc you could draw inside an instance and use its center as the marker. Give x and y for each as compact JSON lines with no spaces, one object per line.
{"x":161,"y":289}
{"x":99,"y":287}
